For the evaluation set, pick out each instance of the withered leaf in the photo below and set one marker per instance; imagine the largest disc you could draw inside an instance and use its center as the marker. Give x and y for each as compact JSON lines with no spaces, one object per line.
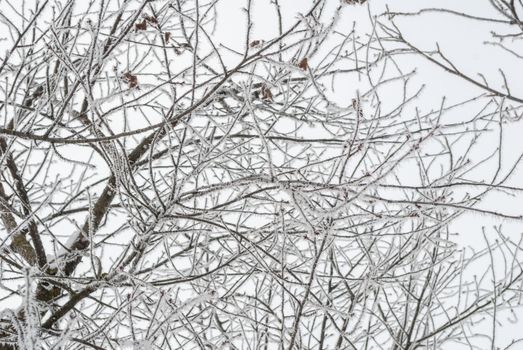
{"x":167,"y":36}
{"x":151,"y":19}
{"x":304,"y":63}
{"x":266,"y":93}
{"x":141,"y":26}
{"x":131,"y":79}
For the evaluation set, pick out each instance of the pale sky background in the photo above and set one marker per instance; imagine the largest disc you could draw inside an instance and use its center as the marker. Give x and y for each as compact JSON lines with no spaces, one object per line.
{"x":464,"y":42}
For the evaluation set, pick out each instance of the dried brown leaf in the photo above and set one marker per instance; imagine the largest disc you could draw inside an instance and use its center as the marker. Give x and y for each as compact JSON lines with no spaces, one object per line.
{"x":266,"y":93}
{"x":131,"y":80}
{"x":304,"y":63}
{"x":141,"y":26}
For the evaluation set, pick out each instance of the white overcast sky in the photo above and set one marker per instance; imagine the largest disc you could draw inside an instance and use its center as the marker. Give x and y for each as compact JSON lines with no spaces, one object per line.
{"x":464,"y":41}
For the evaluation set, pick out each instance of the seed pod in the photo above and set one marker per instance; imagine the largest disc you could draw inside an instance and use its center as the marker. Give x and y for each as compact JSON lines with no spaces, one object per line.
{"x":151,"y":19}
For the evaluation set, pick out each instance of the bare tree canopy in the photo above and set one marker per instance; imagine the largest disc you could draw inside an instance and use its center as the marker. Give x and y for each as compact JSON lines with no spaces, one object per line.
{"x":261,"y":174}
